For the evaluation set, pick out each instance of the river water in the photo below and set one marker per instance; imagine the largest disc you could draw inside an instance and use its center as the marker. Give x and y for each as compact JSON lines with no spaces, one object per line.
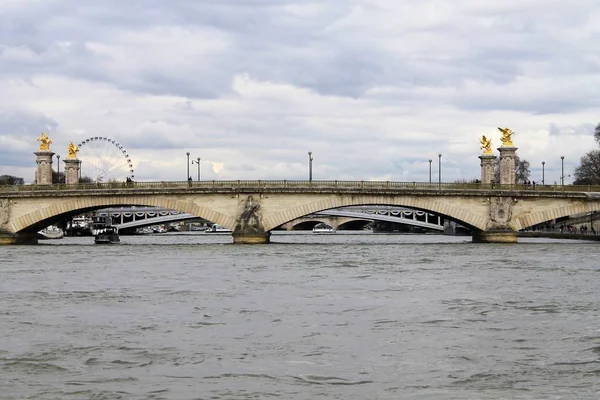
{"x":343,"y":316}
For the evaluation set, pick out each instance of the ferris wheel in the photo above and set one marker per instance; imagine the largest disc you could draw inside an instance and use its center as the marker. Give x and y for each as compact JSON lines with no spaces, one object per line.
{"x":104,"y":160}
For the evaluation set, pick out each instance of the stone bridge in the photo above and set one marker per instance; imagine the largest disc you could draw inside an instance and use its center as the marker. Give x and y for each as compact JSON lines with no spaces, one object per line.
{"x":253,"y":208}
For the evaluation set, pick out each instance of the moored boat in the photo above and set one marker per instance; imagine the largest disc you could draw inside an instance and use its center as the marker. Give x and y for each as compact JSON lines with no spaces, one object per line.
{"x":217,"y":229}
{"x":51,"y":232}
{"x":323,"y":228}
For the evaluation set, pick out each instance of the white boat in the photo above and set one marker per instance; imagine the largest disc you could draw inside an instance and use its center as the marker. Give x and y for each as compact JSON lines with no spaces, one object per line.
{"x":217,"y":229}
{"x":51,"y":232}
{"x":323,"y":228}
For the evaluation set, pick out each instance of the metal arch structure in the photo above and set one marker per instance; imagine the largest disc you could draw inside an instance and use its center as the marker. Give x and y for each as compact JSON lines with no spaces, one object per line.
{"x":152,"y":216}
{"x":127,"y":163}
{"x":381,"y":217}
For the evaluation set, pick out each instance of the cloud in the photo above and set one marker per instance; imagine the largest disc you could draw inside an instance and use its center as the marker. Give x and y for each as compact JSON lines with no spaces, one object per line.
{"x":374,"y":88}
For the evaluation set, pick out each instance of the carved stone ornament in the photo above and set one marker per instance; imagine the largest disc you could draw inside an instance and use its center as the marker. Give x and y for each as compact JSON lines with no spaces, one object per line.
{"x":4,"y":211}
{"x":501,"y":210}
{"x":250,"y":216}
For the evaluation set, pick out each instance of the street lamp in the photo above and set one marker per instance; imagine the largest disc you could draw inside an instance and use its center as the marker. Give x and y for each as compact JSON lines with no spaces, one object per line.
{"x":58,"y":168}
{"x":543,"y":172}
{"x":310,"y":160}
{"x":562,"y":170}
{"x":188,"y":165}
{"x":430,"y":170}
{"x":440,"y":168}
{"x":197,"y":161}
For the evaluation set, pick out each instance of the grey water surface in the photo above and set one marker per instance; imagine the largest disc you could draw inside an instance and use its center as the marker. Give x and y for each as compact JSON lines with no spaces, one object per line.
{"x":343,"y":316}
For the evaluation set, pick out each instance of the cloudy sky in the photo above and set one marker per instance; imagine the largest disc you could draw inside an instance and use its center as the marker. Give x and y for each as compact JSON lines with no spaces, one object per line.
{"x":374,"y":88}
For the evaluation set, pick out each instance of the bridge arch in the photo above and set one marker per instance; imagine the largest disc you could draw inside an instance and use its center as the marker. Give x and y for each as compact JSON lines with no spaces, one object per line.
{"x":564,"y":210}
{"x":39,"y":219}
{"x":430,"y":204}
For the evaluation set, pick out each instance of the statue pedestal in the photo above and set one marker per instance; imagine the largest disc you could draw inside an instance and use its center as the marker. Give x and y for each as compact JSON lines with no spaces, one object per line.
{"x":487,"y":168}
{"x":72,"y":166}
{"x":43,"y":174}
{"x":507,"y":165}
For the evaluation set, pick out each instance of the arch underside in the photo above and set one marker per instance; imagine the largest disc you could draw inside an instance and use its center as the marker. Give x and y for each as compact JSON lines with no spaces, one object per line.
{"x":44,"y":217}
{"x":565,"y":210}
{"x":428,"y":204}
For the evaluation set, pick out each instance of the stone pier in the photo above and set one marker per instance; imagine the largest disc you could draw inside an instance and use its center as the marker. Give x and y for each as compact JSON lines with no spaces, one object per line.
{"x":496,"y":236}
{"x":249,"y":228}
{"x":9,"y":238}
{"x":240,"y":237}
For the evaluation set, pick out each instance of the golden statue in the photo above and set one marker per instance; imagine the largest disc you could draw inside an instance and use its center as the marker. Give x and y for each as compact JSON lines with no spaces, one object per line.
{"x":506,"y":138}
{"x":45,"y":142}
{"x":73,"y":150}
{"x":486,"y":145}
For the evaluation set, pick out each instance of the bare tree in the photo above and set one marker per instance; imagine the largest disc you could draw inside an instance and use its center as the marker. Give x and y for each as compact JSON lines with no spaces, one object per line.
{"x":522,"y":172}
{"x":597,"y":133}
{"x":588,"y":172}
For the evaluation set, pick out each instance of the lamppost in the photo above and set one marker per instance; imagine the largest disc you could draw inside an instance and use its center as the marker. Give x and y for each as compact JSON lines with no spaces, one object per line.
{"x":440,"y":168}
{"x":562,"y":170}
{"x":543,"y":172}
{"x":58,"y":168}
{"x":188,"y":166}
{"x":430,"y":170}
{"x":310,"y":160}
{"x":197,"y":161}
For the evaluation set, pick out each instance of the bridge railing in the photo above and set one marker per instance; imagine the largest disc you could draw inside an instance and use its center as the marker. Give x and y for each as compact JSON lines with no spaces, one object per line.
{"x":295,"y":184}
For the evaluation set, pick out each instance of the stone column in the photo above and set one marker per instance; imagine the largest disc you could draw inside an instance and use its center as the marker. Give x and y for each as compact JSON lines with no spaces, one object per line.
{"x":72,"y":166}
{"x":487,"y":168}
{"x":507,"y":165}
{"x":43,"y":175}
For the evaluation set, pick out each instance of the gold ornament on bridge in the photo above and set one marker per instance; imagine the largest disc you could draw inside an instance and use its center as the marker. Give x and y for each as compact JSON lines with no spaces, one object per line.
{"x":486,"y":145}
{"x":45,"y":142}
{"x":506,"y":138}
{"x":73,"y":150}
